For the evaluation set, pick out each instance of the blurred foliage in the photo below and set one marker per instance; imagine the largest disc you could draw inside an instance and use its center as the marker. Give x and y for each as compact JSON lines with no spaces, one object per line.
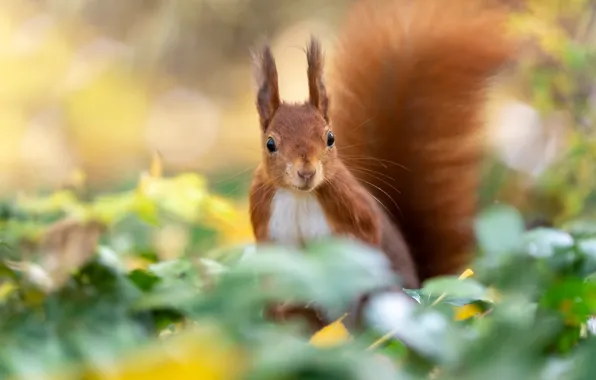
{"x":86,"y":293}
{"x":554,"y":74}
{"x":98,"y":85}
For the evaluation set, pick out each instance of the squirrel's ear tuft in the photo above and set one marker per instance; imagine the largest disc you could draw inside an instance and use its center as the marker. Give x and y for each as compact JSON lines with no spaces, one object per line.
{"x":316,"y":85}
{"x":268,"y":91}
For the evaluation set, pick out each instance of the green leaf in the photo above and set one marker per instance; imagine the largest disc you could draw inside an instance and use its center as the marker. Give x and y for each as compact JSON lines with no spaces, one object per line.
{"x":544,"y":242}
{"x":576,"y":56}
{"x":581,"y":228}
{"x":146,"y":210}
{"x":499,"y":230}
{"x":423,"y":330}
{"x":143,"y":279}
{"x":454,"y":287}
{"x":319,"y":273}
{"x":573,"y":298}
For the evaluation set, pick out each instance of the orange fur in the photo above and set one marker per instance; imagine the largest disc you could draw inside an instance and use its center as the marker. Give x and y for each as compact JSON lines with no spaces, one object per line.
{"x":300,"y":133}
{"x":406,"y":102}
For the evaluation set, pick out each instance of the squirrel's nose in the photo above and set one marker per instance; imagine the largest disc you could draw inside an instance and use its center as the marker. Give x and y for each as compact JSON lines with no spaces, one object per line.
{"x":306,"y":173}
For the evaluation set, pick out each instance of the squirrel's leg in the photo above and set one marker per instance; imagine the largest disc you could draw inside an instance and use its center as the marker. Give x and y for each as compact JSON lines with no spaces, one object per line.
{"x":350,"y":208}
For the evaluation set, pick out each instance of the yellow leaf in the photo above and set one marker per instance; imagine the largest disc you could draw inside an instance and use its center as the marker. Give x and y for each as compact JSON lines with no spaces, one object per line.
{"x":6,"y":289}
{"x":134,"y":262}
{"x":220,"y":210}
{"x":144,"y":183}
{"x":183,"y":195}
{"x":78,"y":178}
{"x":64,"y":201}
{"x":466,"y":311}
{"x":156,"y":169}
{"x":111,"y":208}
{"x":467,"y":273}
{"x":331,"y":335}
{"x":232,"y":220}
{"x":204,"y":355}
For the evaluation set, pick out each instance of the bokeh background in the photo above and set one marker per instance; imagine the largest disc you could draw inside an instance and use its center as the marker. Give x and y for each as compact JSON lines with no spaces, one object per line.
{"x":97,"y":86}
{"x":128,"y":136}
{"x":90,"y":89}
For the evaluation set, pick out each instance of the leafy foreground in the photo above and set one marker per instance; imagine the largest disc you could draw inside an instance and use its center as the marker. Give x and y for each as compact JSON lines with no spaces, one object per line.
{"x":85,"y":294}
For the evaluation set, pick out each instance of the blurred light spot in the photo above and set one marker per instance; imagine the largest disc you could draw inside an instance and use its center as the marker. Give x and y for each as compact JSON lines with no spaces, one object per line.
{"x":31,"y":35}
{"x":523,"y":140}
{"x":44,"y":150}
{"x":183,"y":125}
{"x":91,"y":60}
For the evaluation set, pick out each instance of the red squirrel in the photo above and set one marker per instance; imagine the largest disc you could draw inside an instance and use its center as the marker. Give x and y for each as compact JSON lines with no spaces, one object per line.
{"x":389,"y":155}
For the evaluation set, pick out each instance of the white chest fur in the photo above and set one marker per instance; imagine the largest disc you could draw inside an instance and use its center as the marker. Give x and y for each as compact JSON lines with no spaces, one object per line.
{"x":296,"y":218}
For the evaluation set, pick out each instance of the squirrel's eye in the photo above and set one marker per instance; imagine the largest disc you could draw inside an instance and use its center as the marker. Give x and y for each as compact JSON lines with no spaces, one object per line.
{"x":271,"y":147}
{"x":330,"y":139}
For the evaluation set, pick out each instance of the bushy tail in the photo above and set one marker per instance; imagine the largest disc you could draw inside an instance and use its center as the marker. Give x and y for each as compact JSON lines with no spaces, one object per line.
{"x":408,"y":85}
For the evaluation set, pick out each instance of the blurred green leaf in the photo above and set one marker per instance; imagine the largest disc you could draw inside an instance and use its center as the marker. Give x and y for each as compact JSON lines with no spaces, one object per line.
{"x":459,"y":288}
{"x":499,"y":230}
{"x":544,"y":242}
{"x":143,"y":279}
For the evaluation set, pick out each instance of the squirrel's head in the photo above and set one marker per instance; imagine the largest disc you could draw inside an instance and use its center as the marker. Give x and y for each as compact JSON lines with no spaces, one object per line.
{"x":297,"y":142}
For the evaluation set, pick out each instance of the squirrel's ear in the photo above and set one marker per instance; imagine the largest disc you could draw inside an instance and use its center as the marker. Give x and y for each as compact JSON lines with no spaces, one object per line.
{"x":316,"y":85}
{"x":268,"y":91}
